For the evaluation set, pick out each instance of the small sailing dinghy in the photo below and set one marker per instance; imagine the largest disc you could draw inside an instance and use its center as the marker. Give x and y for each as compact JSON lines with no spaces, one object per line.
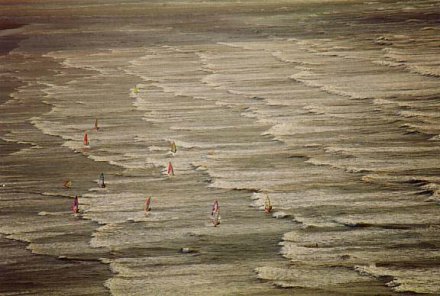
{"x":215,"y":214}
{"x":135,"y":90}
{"x":86,"y":139}
{"x":101,"y":182}
{"x":147,"y":207}
{"x":267,"y":205}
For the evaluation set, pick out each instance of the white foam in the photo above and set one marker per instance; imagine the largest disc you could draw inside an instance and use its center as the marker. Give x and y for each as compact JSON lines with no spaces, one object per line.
{"x":417,"y":280}
{"x":194,"y":97}
{"x":308,"y":277}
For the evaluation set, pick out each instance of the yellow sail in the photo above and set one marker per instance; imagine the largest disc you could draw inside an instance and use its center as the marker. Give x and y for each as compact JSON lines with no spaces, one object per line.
{"x":68,"y":184}
{"x":267,"y":204}
{"x":173,"y":147}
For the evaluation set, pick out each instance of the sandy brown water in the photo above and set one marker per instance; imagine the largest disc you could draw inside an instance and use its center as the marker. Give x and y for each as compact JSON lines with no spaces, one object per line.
{"x":331,"y":107}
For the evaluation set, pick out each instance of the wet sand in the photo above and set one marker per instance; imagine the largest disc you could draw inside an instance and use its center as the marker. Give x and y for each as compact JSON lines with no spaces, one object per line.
{"x":329,"y":107}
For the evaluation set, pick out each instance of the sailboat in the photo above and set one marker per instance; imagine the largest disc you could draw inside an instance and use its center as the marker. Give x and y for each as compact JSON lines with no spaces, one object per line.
{"x":86,"y":139}
{"x":96,"y":125}
{"x":215,"y":214}
{"x":173,"y":147}
{"x":267,"y":205}
{"x":135,"y":90}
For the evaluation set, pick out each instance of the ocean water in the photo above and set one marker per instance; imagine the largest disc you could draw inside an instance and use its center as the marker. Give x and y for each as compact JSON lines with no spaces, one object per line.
{"x":332,"y":109}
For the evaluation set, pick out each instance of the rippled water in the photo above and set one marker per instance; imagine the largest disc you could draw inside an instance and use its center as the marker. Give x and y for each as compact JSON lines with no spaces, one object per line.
{"x":332,"y":109}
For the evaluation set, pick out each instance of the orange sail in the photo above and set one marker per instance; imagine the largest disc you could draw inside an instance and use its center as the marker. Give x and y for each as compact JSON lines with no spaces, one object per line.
{"x":68,"y":184}
{"x":86,"y":139}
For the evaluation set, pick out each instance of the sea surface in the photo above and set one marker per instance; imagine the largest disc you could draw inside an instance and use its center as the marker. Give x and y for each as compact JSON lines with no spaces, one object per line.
{"x":331,"y":108}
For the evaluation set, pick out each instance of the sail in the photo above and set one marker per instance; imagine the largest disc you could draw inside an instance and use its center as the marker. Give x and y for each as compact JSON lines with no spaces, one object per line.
{"x":147,"y":204}
{"x":101,"y":182}
{"x":267,"y":204}
{"x":215,"y":208}
{"x":96,"y":124}
{"x":216,"y":218}
{"x":86,"y":139}
{"x":68,"y":184}
{"x":170,"y":169}
{"x":173,"y":147}
{"x":215,"y":214}
{"x":75,"y":205}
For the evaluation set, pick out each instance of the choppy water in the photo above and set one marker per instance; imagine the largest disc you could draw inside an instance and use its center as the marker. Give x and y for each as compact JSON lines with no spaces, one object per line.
{"x":333,"y":110}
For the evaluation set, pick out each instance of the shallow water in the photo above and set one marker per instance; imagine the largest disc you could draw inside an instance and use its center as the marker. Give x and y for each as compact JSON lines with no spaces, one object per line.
{"x":332,"y":109}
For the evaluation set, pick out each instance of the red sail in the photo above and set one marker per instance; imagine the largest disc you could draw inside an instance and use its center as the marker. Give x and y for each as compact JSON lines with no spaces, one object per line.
{"x":147,"y":204}
{"x":86,"y":139}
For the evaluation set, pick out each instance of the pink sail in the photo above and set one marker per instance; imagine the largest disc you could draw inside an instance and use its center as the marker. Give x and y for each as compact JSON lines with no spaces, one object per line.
{"x":170,"y":169}
{"x":215,"y":208}
{"x":75,"y":205}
